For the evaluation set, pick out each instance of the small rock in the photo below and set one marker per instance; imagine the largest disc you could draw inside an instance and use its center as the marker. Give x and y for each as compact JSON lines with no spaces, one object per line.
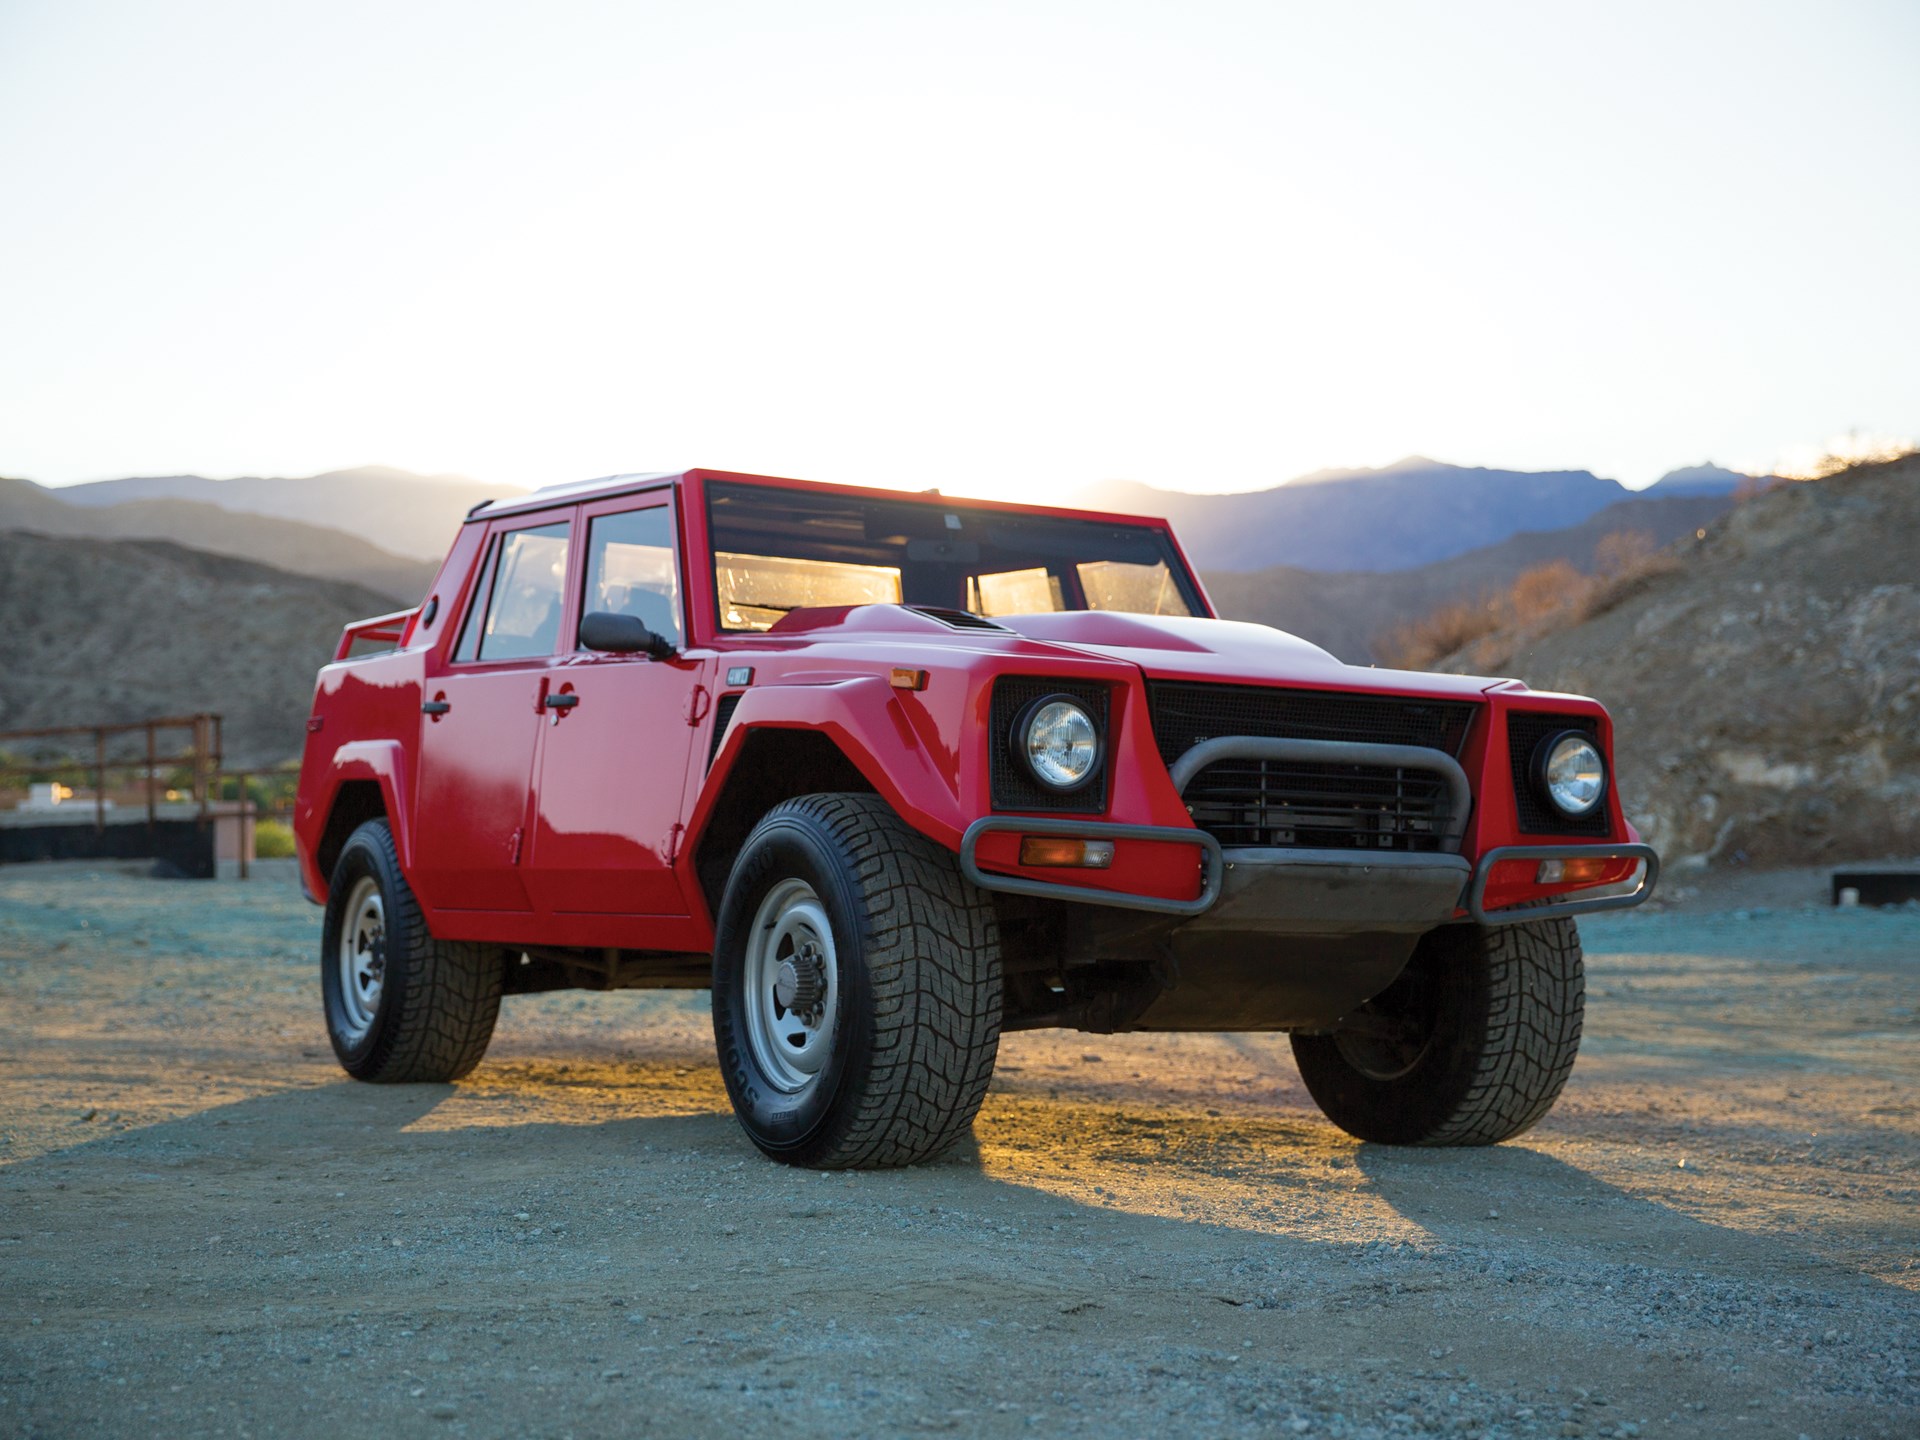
{"x":1493,"y":1214}
{"x":521,"y":1215}
{"x":444,"y":1410}
{"x":86,"y":1115}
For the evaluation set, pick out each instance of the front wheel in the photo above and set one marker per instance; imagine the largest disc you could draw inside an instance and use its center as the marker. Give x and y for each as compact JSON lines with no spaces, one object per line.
{"x":856,"y":988}
{"x":401,"y":1006}
{"x":1470,"y":1046}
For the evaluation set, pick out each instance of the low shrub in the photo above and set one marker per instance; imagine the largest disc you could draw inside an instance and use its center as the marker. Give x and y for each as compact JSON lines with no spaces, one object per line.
{"x":272,"y":840}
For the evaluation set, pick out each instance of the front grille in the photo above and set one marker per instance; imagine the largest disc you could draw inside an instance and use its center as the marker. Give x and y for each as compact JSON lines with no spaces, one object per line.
{"x":1525,"y":731}
{"x":1014,"y":787}
{"x":1311,"y":804}
{"x":1321,"y":806}
{"x":1184,"y":714}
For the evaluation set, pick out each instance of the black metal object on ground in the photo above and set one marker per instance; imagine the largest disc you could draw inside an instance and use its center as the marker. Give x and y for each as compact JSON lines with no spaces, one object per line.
{"x":185,"y":845}
{"x":1879,"y":884}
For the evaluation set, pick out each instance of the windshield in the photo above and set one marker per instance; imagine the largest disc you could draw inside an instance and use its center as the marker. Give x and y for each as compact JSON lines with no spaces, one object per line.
{"x":775,"y":551}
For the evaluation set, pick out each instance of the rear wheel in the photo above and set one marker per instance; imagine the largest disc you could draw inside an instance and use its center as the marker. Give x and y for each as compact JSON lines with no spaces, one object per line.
{"x":856,"y":988}
{"x":1470,"y":1046}
{"x":400,"y":1005}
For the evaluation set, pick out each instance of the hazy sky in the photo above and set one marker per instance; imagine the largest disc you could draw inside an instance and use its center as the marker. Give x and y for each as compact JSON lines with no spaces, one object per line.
{"x":1010,"y":249}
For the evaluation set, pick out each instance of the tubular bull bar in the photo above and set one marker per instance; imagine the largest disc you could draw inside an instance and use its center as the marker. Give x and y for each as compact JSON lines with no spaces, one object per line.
{"x":1278,"y":889}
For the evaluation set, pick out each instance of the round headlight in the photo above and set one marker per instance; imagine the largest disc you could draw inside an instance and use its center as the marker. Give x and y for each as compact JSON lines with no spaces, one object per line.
{"x":1058,"y":740}
{"x":1571,"y":773}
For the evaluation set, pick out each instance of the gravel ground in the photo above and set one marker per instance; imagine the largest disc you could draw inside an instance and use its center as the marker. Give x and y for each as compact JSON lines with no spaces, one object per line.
{"x":206,"y":1230}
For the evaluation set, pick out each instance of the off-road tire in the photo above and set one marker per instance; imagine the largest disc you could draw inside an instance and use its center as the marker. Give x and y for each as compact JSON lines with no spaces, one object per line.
{"x":1504,"y":1004}
{"x":917,"y":1020}
{"x":439,"y":998}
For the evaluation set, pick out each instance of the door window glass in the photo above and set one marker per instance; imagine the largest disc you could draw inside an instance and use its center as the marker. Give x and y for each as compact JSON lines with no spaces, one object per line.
{"x":631,"y":569}
{"x":523,"y":613}
{"x":469,"y":645}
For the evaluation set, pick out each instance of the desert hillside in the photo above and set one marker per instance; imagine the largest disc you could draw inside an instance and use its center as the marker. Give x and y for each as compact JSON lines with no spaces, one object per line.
{"x":125,"y":630}
{"x":1352,"y":612}
{"x":305,"y":549}
{"x":1766,"y":686}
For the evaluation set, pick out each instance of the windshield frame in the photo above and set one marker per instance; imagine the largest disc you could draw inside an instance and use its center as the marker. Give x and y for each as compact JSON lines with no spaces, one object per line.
{"x":926,"y":509}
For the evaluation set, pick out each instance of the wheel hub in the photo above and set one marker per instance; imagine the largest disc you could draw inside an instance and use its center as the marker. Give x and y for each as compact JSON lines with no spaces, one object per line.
{"x":362,"y":958}
{"x":801,"y":981}
{"x":790,"y":986}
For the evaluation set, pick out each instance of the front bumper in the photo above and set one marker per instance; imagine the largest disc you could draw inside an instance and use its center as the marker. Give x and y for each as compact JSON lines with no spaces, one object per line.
{"x":1315,"y":892}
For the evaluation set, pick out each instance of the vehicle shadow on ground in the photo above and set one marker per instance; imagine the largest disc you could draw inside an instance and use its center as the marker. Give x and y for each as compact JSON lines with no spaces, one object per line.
{"x":529,"y":1139}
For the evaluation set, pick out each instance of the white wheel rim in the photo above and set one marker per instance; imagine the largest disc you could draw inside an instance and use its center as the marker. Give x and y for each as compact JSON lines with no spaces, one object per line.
{"x":362,"y":957}
{"x":792,"y":986}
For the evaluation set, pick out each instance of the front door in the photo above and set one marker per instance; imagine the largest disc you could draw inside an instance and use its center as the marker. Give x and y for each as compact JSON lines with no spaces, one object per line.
{"x":613,"y":757}
{"x":482,"y":722}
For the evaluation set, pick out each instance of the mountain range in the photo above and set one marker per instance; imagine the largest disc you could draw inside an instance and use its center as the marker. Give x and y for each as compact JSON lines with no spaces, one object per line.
{"x":394,"y":510}
{"x":1411,"y":513}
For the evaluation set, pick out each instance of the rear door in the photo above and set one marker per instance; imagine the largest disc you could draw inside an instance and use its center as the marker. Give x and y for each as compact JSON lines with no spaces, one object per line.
{"x":615,"y":746}
{"x":482,"y":704}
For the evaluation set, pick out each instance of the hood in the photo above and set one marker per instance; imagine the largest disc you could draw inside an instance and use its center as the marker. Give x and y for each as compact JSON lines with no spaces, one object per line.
{"x":1228,"y":652}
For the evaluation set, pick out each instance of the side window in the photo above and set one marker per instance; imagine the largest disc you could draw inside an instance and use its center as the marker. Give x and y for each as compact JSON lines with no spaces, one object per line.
{"x":522,"y":620}
{"x":469,"y":645}
{"x":631,"y":569}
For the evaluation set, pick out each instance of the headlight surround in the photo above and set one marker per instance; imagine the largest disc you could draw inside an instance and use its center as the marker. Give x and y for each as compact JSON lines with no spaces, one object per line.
{"x":1570,"y":773}
{"x":1058,"y":742}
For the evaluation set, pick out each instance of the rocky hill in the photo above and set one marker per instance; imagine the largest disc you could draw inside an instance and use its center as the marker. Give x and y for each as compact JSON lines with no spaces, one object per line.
{"x":284,"y":544}
{"x":397,"y":510}
{"x":116,"y":631}
{"x":1350,"y":612}
{"x":1766,"y":688}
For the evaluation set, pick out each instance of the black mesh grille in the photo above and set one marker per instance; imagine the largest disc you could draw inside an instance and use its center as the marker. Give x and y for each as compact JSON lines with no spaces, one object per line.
{"x":1185,"y":714}
{"x":1525,"y":731}
{"x":722,"y":713}
{"x":1014,"y":787}
{"x":1322,"y":806}
{"x":1311,"y":804}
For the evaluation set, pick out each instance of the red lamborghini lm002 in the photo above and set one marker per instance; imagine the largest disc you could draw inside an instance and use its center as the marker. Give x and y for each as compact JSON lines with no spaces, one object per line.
{"x":894,"y":773}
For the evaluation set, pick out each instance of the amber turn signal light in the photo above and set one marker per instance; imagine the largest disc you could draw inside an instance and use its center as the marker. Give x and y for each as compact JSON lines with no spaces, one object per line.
{"x":1584,"y":871}
{"x":1057,"y":850}
{"x":907,"y":679}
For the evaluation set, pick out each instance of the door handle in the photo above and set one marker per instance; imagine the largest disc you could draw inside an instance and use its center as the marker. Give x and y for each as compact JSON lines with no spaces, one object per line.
{"x":434,"y":707}
{"x":561,"y":702}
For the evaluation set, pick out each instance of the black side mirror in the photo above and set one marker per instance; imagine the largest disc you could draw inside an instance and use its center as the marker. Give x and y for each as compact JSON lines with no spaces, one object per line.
{"x":622,"y":635}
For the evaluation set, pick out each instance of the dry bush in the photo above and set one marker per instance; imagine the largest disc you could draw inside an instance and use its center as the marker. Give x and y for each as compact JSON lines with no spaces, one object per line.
{"x":1546,"y":590}
{"x":1418,"y":643}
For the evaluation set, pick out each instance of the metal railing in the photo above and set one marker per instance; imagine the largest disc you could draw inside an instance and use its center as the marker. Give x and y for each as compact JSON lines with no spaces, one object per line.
{"x":133,"y":754}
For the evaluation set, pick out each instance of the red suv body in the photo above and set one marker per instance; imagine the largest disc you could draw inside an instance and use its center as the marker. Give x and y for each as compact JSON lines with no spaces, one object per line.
{"x":1169,"y":820}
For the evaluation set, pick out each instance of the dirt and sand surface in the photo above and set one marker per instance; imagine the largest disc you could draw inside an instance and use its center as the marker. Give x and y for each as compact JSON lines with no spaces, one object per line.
{"x":206,"y":1230}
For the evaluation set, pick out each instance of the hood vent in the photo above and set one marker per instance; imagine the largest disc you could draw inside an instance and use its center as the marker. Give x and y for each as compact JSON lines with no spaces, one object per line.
{"x":958,"y":619}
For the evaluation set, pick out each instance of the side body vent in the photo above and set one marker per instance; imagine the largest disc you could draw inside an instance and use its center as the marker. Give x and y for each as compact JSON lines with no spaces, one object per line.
{"x":722,"y":717}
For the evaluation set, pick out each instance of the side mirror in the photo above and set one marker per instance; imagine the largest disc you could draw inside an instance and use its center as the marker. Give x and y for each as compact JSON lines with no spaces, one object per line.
{"x":622,"y":635}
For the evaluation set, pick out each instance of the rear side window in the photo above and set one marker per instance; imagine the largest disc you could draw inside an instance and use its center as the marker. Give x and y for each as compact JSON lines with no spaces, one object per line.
{"x":526,"y":580}
{"x":632,"y":569}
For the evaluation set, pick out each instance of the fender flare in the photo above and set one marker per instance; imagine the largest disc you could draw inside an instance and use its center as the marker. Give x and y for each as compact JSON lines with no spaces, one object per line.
{"x":385,"y":763}
{"x":864,"y":718}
